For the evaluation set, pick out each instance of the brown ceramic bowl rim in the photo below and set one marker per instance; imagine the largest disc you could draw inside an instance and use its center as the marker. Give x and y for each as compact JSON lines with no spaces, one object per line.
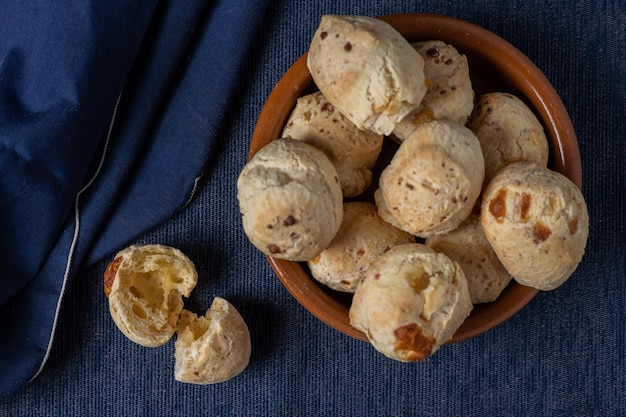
{"x":530,"y":84}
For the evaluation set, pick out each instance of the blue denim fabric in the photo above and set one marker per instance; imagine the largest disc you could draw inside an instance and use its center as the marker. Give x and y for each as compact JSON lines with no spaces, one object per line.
{"x":564,"y":354}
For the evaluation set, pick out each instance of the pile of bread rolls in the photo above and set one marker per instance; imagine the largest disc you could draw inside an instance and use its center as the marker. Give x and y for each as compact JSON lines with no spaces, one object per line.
{"x":466,"y":204}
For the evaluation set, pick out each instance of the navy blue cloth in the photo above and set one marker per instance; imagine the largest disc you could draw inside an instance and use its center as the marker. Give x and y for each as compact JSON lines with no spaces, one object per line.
{"x":564,"y":354}
{"x":108,"y":113}
{"x":60,"y":75}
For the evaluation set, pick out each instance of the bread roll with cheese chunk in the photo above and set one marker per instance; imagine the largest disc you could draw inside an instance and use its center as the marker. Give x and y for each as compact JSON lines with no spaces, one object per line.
{"x":411,"y":302}
{"x":537,"y":222}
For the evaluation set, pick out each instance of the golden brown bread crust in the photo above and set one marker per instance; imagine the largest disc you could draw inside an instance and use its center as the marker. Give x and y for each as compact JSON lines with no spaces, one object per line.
{"x":109,"y":274}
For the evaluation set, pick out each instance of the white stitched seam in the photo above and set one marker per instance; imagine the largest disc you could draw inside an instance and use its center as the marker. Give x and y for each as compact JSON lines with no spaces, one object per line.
{"x":193,"y":190}
{"x":75,"y":238}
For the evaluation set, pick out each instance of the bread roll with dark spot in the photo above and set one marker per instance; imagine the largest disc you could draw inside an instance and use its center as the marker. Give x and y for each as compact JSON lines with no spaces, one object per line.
{"x":362,"y":238}
{"x":508,"y":131}
{"x":367,"y":70}
{"x":449,"y":96}
{"x":352,"y":151}
{"x":467,"y":245}
{"x":290,"y":200}
{"x":433,"y":180}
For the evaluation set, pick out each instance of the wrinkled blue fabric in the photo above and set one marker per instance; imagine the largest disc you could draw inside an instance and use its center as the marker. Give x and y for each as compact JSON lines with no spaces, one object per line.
{"x":108,"y":111}
{"x":62,"y":67}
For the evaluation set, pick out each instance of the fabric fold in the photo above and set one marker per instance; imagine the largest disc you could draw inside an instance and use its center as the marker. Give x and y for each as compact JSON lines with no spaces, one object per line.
{"x":174,"y":67}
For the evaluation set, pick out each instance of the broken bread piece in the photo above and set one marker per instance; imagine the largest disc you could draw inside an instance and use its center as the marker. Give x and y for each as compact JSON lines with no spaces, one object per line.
{"x":211,"y":348}
{"x":145,"y":285}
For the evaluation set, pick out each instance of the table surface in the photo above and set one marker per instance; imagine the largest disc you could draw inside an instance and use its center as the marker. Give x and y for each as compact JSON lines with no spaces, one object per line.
{"x":564,"y":354}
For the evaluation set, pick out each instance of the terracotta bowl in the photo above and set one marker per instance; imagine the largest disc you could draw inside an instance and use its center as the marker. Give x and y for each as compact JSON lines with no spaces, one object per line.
{"x":495,"y":65}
